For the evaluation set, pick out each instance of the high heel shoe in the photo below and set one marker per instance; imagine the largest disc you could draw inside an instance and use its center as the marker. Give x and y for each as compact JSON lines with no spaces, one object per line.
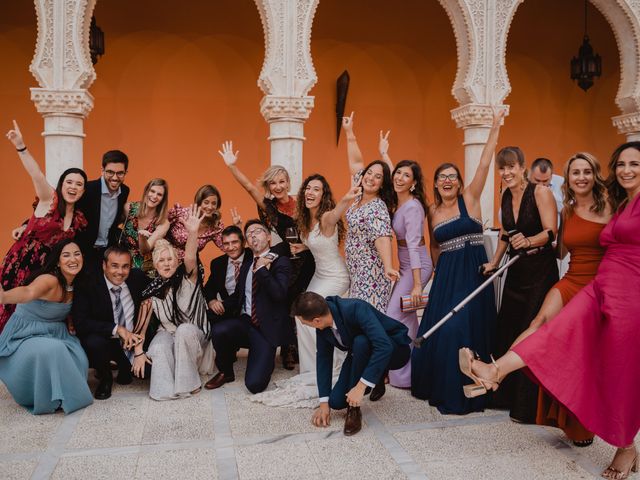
{"x":480,"y":386}
{"x":614,"y":473}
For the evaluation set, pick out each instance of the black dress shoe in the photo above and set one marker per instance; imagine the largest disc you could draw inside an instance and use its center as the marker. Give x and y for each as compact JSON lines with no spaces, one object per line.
{"x":218,"y":380}
{"x":377,"y":392}
{"x":104,"y":388}
{"x":124,"y":377}
{"x":353,"y":422}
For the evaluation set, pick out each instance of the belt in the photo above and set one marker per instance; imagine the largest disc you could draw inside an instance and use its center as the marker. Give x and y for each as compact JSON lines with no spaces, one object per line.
{"x":403,"y":243}
{"x":460,"y":242}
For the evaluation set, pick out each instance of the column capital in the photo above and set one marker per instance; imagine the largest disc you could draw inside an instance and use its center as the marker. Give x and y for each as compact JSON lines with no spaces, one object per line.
{"x":627,"y":124}
{"x":275,"y":107}
{"x":475,"y":115}
{"x":74,"y":102}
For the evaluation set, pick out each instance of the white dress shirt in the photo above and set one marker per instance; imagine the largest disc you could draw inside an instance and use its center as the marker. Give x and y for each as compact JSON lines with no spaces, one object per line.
{"x":230,"y":278}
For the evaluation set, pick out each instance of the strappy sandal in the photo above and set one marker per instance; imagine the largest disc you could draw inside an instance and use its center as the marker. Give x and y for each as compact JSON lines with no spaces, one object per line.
{"x":583,"y":443}
{"x":615,"y":474}
{"x":480,"y":386}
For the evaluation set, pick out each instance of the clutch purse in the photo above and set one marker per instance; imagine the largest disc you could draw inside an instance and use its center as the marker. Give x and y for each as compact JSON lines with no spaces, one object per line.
{"x":406,"y":303}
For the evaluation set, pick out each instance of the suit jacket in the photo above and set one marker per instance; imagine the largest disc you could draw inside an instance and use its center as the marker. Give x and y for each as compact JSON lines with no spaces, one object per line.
{"x":92,"y":310}
{"x":354,"y":317}
{"x":270,"y":297}
{"x":89,"y":204}
{"x":215,"y":283}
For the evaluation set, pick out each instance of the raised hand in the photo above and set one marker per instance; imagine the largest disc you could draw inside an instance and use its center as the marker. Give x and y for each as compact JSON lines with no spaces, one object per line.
{"x":16,"y":233}
{"x":352,"y":194}
{"x":383,"y":143}
{"x":15,"y":136}
{"x":227,"y":154}
{"x":193,"y":220}
{"x":347,"y":123}
{"x":236,"y":219}
{"x":498,"y":116}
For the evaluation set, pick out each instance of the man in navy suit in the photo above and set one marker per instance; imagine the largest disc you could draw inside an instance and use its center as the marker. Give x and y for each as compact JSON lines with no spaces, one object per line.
{"x":105,"y":311}
{"x":259,"y":310}
{"x":225,"y":271}
{"x":375,"y":344}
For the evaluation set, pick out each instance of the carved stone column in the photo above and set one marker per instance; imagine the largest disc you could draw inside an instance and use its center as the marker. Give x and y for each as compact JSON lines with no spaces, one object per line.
{"x":62,"y":66}
{"x":628,"y":125}
{"x":476,"y":120}
{"x":287,"y":76}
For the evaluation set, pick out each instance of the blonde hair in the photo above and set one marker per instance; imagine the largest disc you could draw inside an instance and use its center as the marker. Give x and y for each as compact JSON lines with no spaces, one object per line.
{"x":599,"y":190}
{"x":160,"y":246}
{"x":270,"y":174}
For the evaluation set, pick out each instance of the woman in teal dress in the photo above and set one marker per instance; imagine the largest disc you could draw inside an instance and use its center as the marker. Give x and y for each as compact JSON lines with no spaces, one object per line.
{"x":457,"y":247}
{"x":42,"y":365}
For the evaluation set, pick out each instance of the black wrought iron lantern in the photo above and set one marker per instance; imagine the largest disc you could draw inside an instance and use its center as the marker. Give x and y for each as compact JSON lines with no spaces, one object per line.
{"x":96,"y":41}
{"x":587,"y":65}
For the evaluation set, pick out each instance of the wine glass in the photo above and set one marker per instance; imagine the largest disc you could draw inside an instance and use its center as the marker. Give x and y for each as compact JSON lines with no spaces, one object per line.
{"x":291,"y":234}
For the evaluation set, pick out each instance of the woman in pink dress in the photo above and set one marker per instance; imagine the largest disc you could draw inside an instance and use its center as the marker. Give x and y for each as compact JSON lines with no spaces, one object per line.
{"x":587,"y":356}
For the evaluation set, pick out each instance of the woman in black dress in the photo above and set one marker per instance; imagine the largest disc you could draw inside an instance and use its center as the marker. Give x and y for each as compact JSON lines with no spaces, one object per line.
{"x":529,"y":220}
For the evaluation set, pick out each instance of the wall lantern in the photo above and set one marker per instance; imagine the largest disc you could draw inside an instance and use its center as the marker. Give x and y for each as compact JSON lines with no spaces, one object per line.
{"x":586,"y":65}
{"x":96,"y":41}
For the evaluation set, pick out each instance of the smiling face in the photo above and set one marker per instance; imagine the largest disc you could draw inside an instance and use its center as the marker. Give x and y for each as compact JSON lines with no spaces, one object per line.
{"x":232,"y":246}
{"x":72,"y":188}
{"x":154,"y":196}
{"x":113,"y":174}
{"x":279,"y":187}
{"x":209,"y":205}
{"x":372,"y":179}
{"x":512,"y":175}
{"x":116,"y":267}
{"x":581,"y":177}
{"x":166,"y":263}
{"x":70,"y":261}
{"x":628,"y":171}
{"x":313,"y":194}
{"x":447,"y":183}
{"x":403,"y":179}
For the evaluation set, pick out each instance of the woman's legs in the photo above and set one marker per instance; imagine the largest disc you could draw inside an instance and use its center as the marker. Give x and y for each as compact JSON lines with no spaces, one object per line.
{"x":550,"y":307}
{"x":624,"y":462}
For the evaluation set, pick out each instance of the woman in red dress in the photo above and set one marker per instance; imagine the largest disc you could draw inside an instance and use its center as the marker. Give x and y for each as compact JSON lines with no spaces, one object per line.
{"x":54,"y":219}
{"x":587,"y":357}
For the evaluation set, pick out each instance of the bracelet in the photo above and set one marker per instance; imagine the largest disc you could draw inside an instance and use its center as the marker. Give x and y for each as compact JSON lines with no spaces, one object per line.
{"x":140,"y":354}
{"x":529,"y":240}
{"x":20,"y":150}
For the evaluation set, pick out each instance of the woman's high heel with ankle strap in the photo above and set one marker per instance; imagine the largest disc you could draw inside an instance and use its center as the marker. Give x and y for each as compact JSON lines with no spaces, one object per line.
{"x":614,"y":473}
{"x":481,"y":385}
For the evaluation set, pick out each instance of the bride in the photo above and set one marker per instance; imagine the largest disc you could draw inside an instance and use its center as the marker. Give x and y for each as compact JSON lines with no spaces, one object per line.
{"x":321,"y":231}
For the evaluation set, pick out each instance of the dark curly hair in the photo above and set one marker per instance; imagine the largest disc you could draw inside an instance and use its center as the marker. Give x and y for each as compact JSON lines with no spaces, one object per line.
{"x":62,"y":204}
{"x":386,"y":193}
{"x":327,"y":203}
{"x":418,"y":191}
{"x":51,"y":261}
{"x":618,"y":195}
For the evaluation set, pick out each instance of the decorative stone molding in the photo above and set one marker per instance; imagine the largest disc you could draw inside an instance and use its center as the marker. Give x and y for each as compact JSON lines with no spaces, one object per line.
{"x":274,"y":107}
{"x":62,"y":59}
{"x":628,"y":123}
{"x":288,"y":68}
{"x":473,"y":115}
{"x":76,"y":102}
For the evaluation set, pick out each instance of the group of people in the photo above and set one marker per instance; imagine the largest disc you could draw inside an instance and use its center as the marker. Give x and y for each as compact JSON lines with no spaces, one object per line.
{"x":143,"y":306}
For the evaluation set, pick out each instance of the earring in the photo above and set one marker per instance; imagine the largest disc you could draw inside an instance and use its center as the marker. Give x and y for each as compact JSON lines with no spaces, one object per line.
{"x":413,"y":187}
{"x":500,"y":189}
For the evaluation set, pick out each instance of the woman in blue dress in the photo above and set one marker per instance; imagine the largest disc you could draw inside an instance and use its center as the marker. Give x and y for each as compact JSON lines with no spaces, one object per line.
{"x":42,"y":365}
{"x":457,"y":249}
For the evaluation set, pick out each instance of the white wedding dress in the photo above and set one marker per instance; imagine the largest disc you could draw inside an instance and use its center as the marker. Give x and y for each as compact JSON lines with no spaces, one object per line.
{"x":330,"y":278}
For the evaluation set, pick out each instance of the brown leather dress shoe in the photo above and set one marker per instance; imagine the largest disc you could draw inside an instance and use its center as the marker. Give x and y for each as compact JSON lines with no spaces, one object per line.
{"x":218,"y":380}
{"x":353,"y":422}
{"x":378,"y":391}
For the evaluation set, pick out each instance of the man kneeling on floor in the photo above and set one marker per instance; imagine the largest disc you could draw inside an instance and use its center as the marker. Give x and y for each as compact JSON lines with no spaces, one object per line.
{"x":374,"y":342}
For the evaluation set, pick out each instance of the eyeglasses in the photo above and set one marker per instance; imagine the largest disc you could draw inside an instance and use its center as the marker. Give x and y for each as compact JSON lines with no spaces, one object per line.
{"x":452,"y":177}
{"x":111,"y":173}
{"x":255,"y":232}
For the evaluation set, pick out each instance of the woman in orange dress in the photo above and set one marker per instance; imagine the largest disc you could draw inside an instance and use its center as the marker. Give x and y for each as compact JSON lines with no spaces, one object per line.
{"x":585,"y":213}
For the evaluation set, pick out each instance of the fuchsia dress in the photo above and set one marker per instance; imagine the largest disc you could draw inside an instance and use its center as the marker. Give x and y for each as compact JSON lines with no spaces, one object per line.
{"x":588,"y":357}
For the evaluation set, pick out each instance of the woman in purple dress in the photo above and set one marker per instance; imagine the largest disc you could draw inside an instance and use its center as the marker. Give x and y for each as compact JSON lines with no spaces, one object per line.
{"x":415,"y":263}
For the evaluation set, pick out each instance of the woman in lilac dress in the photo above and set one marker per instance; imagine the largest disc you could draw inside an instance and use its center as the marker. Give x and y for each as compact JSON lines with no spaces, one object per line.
{"x":415,"y":263}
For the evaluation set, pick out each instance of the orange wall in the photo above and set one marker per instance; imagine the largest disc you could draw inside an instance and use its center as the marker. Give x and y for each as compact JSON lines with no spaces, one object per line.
{"x":175,"y":83}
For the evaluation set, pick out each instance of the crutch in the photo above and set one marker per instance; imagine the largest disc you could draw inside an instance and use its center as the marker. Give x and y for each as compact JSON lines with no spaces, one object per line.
{"x":519,"y":254}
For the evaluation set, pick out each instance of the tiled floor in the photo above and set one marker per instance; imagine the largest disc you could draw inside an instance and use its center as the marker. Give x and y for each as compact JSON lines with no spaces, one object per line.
{"x":221,"y":434}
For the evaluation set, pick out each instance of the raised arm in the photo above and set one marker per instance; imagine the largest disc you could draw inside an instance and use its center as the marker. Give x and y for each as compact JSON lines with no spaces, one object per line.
{"x":230,"y":158}
{"x":331,"y":218}
{"x":44,"y":191}
{"x":41,"y":287}
{"x":383,"y":148}
{"x":356,"y":161}
{"x":192,"y":223}
{"x":477,"y":184}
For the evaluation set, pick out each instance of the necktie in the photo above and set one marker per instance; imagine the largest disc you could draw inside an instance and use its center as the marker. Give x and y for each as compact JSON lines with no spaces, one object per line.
{"x":236,"y":269}
{"x":118,"y":311}
{"x":254,"y":287}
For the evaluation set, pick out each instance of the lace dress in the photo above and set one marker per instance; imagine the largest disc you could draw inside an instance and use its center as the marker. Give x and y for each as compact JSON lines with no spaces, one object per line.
{"x":28,"y":253}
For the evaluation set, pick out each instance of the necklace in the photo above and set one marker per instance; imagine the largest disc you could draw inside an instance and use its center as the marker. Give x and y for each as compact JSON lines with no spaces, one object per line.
{"x":68,"y":288}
